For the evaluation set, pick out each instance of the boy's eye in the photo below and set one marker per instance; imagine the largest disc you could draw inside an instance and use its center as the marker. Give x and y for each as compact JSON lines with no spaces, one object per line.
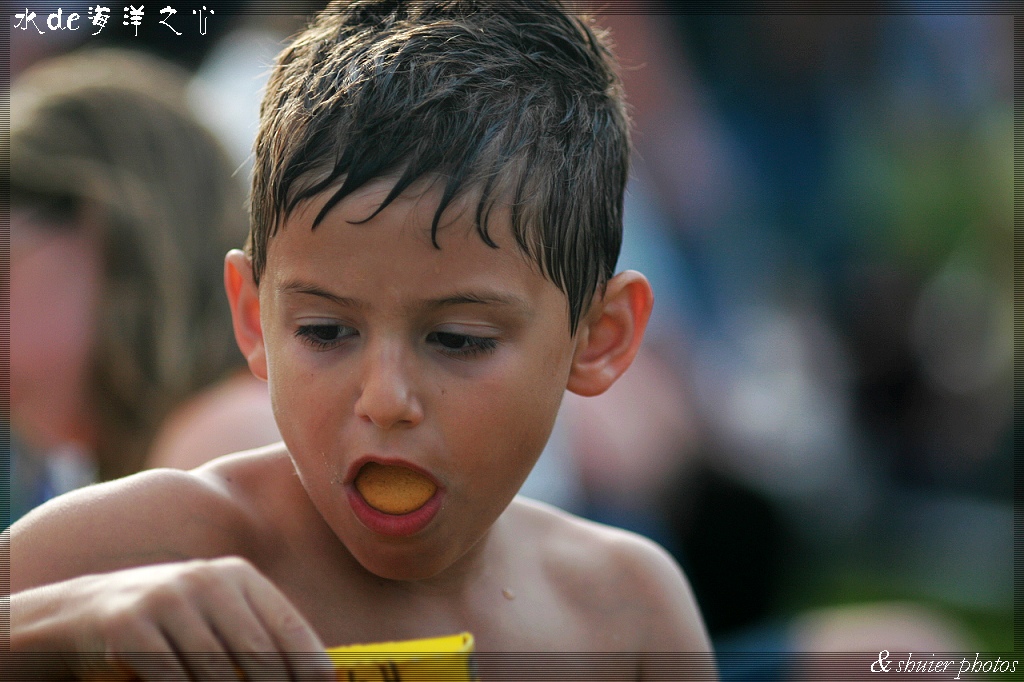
{"x":461,"y":345}
{"x":323,"y":335}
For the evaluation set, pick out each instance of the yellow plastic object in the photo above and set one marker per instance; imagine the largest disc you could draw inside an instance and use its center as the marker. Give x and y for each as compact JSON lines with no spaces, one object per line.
{"x":435,"y":659}
{"x":415,"y":660}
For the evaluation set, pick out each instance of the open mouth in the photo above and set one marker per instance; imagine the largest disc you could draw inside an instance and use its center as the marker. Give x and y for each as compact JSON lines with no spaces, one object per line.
{"x":393,"y":489}
{"x":392,"y":499}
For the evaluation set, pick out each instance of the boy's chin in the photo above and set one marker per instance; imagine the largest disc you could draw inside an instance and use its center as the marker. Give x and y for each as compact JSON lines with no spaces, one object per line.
{"x":408,"y":572}
{"x":409,"y":566}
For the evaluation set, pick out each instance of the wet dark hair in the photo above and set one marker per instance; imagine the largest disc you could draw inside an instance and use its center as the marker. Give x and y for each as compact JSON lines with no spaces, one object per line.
{"x":517,"y":100}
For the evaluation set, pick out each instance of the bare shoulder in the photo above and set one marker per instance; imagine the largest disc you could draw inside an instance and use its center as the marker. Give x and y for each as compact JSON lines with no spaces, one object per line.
{"x":151,"y":517}
{"x":616,"y":578}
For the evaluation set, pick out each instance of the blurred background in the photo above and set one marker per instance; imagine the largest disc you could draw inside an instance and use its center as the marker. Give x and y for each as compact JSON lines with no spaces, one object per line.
{"x":819,"y":425}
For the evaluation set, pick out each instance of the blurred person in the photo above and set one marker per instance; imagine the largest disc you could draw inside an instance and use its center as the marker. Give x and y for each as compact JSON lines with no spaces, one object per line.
{"x":912,"y":639}
{"x":122,"y":206}
{"x":796,"y":159}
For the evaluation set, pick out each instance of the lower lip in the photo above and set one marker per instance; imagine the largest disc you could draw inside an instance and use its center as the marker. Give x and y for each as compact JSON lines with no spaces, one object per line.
{"x":398,"y":525}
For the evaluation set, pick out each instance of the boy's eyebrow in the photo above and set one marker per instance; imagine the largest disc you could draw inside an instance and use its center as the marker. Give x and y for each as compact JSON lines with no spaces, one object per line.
{"x":300,"y":287}
{"x":484,"y":298}
{"x":459,"y":298}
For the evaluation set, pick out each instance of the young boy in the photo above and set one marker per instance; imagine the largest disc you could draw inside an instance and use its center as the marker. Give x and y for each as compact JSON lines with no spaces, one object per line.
{"x":436,"y":215}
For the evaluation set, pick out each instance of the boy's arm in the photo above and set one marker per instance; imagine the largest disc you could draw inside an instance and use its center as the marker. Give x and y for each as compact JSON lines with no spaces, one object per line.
{"x":674,"y":640}
{"x":198,"y":620}
{"x":89,"y":600}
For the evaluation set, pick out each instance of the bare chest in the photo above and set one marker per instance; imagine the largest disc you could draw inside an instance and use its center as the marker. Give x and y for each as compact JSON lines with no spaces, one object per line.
{"x":511,"y":615}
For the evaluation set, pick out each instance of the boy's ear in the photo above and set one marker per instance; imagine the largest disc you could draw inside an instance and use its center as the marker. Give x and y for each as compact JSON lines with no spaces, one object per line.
{"x":610,"y":333}
{"x":244,"y":299}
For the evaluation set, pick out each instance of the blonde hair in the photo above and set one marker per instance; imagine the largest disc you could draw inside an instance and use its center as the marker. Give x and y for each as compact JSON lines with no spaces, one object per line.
{"x":107,"y":134}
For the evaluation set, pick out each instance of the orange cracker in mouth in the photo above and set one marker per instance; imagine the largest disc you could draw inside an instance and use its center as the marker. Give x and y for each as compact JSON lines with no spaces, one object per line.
{"x":393,"y":489}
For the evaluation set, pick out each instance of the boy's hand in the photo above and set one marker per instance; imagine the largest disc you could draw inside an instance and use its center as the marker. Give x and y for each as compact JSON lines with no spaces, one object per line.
{"x":214,"y":619}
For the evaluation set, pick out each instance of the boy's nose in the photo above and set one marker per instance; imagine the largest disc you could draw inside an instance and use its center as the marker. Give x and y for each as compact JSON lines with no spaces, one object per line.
{"x":387,"y":398}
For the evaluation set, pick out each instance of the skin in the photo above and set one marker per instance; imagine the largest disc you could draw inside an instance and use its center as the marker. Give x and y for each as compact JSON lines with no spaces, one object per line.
{"x":56,"y":273}
{"x":373,"y":343}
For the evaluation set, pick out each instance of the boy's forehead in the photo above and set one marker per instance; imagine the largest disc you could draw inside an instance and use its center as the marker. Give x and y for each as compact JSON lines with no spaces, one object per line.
{"x":458,"y":226}
{"x":348,"y":230}
{"x":459,"y":265}
{"x":356,"y":206}
{"x":383,"y":269}
{"x":419,"y":202}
